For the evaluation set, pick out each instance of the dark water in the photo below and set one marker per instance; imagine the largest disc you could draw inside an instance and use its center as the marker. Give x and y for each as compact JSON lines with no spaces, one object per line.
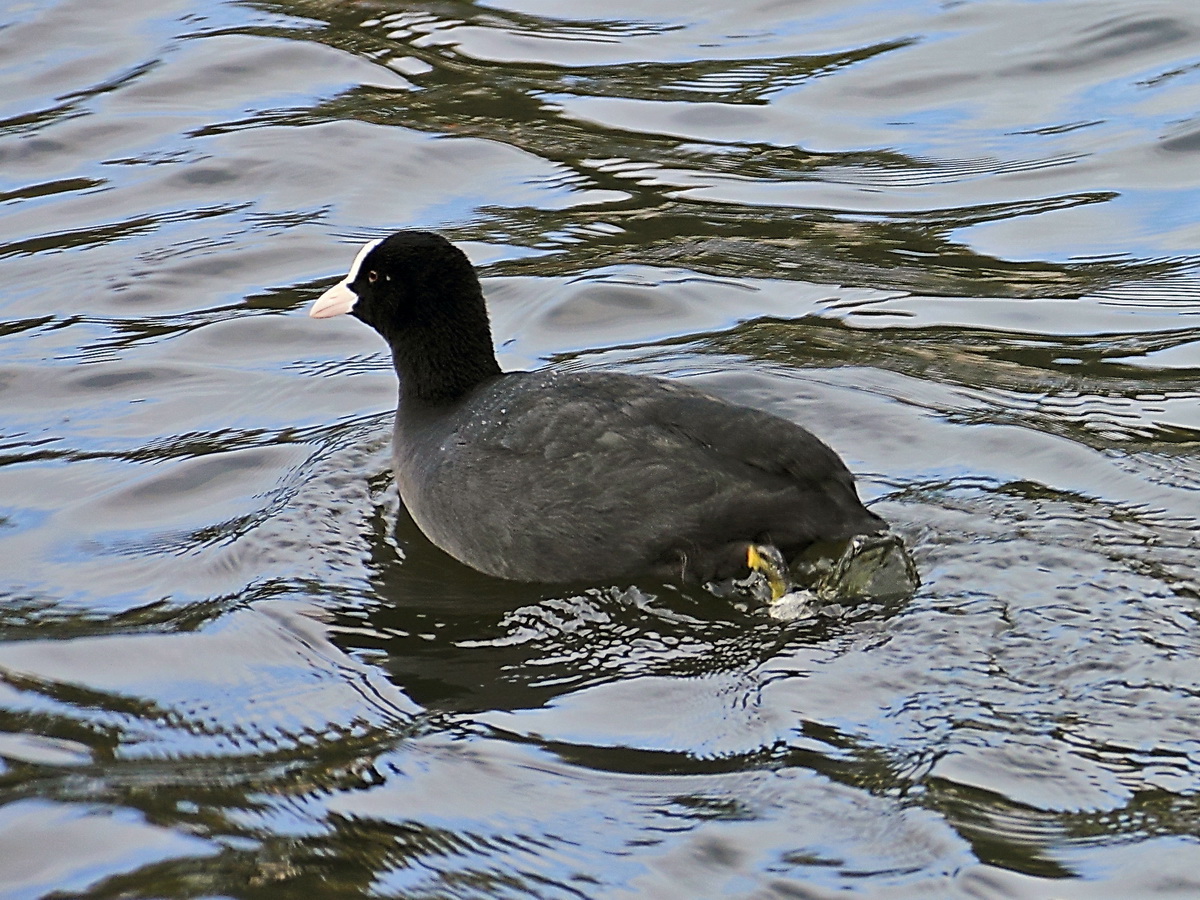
{"x":958,"y":240}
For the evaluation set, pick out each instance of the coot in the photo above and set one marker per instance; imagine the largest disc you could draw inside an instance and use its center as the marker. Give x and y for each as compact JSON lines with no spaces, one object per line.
{"x":580,"y":476}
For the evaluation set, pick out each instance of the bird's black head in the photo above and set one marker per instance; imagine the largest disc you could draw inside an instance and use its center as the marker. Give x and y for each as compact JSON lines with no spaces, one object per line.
{"x":411,"y":279}
{"x":420,"y":292}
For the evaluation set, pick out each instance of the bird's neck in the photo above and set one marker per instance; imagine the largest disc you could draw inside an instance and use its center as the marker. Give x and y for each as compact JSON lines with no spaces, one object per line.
{"x":438,"y":365}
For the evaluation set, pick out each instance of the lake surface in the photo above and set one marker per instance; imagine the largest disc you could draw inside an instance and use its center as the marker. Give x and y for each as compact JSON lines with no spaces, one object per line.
{"x":957,"y":240}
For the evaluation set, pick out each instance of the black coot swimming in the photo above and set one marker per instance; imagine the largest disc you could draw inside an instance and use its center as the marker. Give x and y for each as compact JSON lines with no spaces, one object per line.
{"x":580,"y":476}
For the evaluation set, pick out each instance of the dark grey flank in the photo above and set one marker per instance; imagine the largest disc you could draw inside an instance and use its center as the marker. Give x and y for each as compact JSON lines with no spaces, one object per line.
{"x":580,"y":476}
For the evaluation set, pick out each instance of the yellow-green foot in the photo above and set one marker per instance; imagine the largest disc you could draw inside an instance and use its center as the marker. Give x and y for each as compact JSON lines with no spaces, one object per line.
{"x":768,"y":562}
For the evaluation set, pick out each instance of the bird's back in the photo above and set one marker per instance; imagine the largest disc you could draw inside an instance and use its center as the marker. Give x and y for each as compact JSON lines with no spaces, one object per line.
{"x":543,"y":476}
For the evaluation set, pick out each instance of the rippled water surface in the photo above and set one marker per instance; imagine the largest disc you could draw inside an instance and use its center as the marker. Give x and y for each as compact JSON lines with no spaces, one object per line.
{"x":958,"y":240}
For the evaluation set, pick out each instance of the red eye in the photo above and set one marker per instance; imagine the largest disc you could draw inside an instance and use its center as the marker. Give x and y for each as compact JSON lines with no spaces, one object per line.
{"x":372,"y":277}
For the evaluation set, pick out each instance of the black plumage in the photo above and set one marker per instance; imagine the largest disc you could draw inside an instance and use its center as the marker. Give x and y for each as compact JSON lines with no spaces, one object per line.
{"x":577,"y":476}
